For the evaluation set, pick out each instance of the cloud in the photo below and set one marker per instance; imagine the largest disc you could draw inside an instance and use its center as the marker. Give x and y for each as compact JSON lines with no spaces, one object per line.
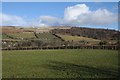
{"x":12,"y":20}
{"x":77,"y":15}
{"x":80,"y":14}
{"x":51,"y":21}
{"x":36,"y":23}
{"x":72,"y":12}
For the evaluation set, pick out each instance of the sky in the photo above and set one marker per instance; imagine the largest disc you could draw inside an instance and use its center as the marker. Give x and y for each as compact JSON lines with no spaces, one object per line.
{"x":45,"y":14}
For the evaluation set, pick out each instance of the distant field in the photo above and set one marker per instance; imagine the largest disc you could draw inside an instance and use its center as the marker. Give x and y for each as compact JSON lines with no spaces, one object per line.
{"x":60,"y":63}
{"x":22,"y":35}
{"x":47,"y":37}
{"x":78,"y":38}
{"x":5,"y":36}
{"x":0,"y":36}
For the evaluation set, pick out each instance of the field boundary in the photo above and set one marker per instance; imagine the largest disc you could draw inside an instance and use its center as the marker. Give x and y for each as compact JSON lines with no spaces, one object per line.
{"x":104,"y":47}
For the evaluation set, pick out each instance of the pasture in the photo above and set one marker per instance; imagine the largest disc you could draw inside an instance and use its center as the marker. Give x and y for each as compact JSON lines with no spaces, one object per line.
{"x":3,"y":36}
{"x":78,"y":38}
{"x":47,"y":36}
{"x":0,"y":36}
{"x":67,"y":63}
{"x":22,"y":35}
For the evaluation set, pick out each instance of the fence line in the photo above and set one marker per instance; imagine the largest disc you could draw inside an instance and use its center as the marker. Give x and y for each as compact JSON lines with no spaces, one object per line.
{"x":106,"y":47}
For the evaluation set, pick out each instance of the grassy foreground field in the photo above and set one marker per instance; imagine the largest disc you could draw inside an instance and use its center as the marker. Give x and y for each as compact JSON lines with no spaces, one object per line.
{"x":60,"y":63}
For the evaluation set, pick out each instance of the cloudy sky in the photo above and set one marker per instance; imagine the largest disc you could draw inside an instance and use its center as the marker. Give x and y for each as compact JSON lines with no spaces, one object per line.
{"x":96,"y":15}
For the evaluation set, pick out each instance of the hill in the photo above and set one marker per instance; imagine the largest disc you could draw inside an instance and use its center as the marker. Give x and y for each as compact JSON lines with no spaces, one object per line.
{"x":101,"y":34}
{"x":57,"y":36}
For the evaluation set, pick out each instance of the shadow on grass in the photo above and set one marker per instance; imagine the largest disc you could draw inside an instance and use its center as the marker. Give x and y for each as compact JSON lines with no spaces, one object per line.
{"x":79,"y":71}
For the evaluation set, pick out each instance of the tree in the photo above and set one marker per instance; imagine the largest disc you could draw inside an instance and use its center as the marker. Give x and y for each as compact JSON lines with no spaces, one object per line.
{"x":102,"y":43}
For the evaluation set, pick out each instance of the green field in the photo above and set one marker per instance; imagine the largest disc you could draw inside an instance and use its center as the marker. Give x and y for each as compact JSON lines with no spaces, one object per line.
{"x":4,"y":36}
{"x":60,"y":63}
{"x":79,"y":38}
{"x":22,"y":35}
{"x":0,"y":36}
{"x":47,"y":37}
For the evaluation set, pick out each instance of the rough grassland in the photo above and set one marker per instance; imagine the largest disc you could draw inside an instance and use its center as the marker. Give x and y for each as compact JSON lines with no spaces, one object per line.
{"x":60,"y":63}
